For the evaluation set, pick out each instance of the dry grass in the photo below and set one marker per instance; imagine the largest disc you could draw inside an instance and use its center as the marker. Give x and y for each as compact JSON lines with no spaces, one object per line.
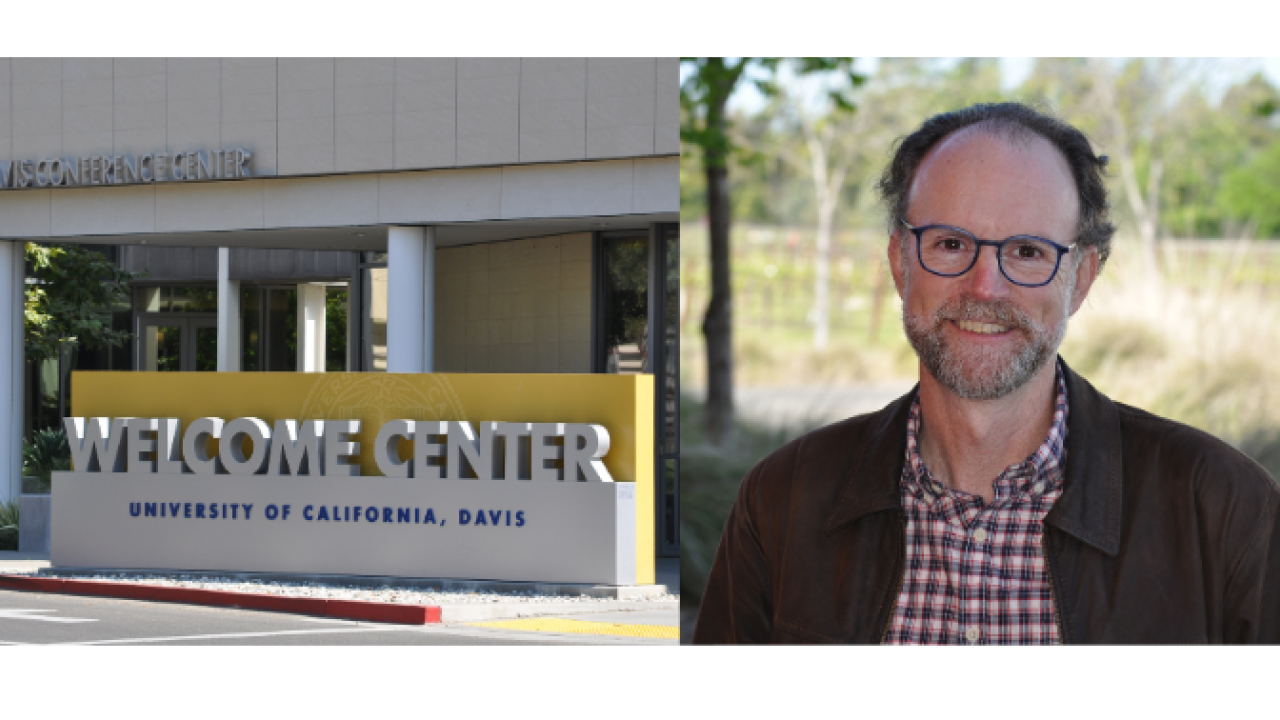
{"x":1203,"y":356}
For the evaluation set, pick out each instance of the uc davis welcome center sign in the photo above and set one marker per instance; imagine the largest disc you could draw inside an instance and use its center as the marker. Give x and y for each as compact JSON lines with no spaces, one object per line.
{"x":540,"y":478}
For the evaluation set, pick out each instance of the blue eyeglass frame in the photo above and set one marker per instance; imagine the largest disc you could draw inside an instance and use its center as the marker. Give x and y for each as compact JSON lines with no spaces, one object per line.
{"x":999,"y":246}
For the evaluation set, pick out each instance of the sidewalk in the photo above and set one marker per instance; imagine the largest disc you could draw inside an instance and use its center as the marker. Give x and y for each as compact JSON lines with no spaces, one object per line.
{"x":499,"y":601}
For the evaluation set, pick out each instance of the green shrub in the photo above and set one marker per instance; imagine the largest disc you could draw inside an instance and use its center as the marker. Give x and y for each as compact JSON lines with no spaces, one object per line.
{"x":709,"y":481}
{"x":9,"y":525}
{"x":45,"y":453}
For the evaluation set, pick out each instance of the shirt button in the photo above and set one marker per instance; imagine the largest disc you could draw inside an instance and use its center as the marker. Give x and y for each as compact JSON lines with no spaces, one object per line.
{"x":980,"y":535}
{"x":972,"y":635}
{"x":1039,"y":488}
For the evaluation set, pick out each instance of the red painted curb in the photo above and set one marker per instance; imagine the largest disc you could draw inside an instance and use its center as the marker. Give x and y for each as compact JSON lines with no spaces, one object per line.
{"x":344,"y":609}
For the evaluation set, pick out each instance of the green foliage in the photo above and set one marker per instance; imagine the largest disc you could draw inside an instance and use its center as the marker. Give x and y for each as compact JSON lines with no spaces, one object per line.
{"x":71,"y":301}
{"x":709,"y":481}
{"x":9,"y":525}
{"x":335,"y":331}
{"x":1252,"y":192}
{"x":44,"y":453}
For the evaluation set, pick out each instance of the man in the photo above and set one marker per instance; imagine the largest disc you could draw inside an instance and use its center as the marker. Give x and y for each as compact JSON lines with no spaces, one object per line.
{"x":1004,"y":500}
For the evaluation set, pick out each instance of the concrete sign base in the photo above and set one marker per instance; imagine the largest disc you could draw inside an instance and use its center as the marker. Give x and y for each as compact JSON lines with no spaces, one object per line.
{"x":559,"y":532}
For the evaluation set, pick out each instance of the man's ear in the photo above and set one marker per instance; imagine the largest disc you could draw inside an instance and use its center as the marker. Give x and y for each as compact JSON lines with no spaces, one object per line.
{"x":1086,"y":273}
{"x":896,"y":263}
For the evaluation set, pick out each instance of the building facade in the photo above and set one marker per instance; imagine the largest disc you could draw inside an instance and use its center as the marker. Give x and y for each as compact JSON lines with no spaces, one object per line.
{"x":404,"y":215}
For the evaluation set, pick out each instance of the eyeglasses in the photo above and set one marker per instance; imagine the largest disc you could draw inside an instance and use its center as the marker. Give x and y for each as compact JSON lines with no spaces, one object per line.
{"x":1025,"y":260}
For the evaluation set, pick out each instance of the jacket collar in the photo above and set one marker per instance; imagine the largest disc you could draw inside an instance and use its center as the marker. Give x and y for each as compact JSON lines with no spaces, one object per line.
{"x":1089,"y":508}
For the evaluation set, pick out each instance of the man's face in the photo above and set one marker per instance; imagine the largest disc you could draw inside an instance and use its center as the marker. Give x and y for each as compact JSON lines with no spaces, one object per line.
{"x":980,"y":335}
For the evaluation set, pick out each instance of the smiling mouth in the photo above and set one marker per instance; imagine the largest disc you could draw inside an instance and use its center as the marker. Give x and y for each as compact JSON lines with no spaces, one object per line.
{"x":981,"y":328}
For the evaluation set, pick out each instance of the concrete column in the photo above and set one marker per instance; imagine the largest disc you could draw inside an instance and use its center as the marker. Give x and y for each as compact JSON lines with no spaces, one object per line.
{"x":12,"y":277}
{"x":311,"y":327}
{"x":228,"y":315}
{"x":411,"y":274}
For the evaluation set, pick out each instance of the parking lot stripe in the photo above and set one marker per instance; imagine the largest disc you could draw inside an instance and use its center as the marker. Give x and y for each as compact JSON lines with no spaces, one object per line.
{"x":178,"y":638}
{"x":584,"y":627}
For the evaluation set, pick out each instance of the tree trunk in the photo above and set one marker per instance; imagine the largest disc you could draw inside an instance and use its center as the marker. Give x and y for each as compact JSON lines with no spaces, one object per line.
{"x":717,"y":325}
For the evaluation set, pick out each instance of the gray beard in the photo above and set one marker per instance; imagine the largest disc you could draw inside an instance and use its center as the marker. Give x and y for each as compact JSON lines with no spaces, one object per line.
{"x":973,"y":372}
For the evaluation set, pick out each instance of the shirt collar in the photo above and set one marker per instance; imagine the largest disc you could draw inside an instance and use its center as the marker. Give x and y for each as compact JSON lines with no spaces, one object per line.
{"x":1044,"y":464}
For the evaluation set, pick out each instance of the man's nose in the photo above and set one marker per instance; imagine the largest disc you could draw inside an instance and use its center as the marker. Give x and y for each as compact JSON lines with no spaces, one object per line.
{"x":985,"y":279}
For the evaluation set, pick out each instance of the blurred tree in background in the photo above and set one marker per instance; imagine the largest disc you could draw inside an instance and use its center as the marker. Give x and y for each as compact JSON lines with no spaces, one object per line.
{"x":705,"y":127}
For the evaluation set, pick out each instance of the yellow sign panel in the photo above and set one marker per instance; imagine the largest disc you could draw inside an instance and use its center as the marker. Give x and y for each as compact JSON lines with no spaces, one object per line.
{"x":623,"y":404}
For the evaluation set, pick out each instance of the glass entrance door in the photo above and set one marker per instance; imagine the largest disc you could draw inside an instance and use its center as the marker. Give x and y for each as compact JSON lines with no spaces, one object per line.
{"x":172,"y":343}
{"x":637,"y":331}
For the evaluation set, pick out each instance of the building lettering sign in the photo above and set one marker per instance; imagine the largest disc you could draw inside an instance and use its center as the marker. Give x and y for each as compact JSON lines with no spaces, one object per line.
{"x":126,"y":169}
{"x":442,"y":450}
{"x":524,"y":501}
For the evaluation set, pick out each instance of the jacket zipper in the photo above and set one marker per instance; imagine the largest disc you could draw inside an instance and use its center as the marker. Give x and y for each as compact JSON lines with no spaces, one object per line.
{"x":1053,"y":586}
{"x":888,"y":622}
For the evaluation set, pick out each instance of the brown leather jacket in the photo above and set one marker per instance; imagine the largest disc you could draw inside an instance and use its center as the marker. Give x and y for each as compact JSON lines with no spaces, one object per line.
{"x":1163,"y":534}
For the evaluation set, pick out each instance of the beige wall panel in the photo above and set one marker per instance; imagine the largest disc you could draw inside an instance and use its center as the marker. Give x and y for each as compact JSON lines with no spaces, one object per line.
{"x":667,"y":133}
{"x":27,"y":71}
{"x":81,"y":119}
{"x":35,"y":91}
{"x":35,"y":147}
{"x":321,"y":201}
{"x":576,"y":247}
{"x":440,"y":196}
{"x":364,"y":100}
{"x":488,"y":111}
{"x":543,"y":79}
{"x":620,"y":106}
{"x":425,"y":83}
{"x":88,"y":143}
{"x":258,"y":138}
{"x":193,"y":105}
{"x":6,"y":120}
{"x":620,"y":141}
{"x":552,"y":131}
{"x":135,"y":83}
{"x":249,"y":105}
{"x":306,"y":133}
{"x":657,"y":185}
{"x":362,"y":156}
{"x":488,"y":135}
{"x":573,"y":303}
{"x":184,"y":207}
{"x":192,"y":66}
{"x":575,"y":357}
{"x":24,"y":213}
{"x":486,"y":304}
{"x":594,"y":188}
{"x":248,"y":76}
{"x":547,"y":357}
{"x":552,"y":109}
{"x":426,"y":112}
{"x":239,"y":108}
{"x":305,"y":159}
{"x":103,"y":210}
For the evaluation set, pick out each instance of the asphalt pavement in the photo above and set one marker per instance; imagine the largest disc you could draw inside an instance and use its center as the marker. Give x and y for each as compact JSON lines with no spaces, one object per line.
{"x":28,"y":618}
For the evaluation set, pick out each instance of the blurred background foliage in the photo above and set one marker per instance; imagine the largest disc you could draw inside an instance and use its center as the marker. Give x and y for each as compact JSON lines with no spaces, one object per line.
{"x":1184,"y":320}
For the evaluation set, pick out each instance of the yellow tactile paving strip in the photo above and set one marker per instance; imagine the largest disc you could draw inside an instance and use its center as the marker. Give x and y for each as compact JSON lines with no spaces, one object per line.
{"x":584,"y":627}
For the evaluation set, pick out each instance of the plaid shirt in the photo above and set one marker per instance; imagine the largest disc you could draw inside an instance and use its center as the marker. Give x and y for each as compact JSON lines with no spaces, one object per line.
{"x":975,"y":573}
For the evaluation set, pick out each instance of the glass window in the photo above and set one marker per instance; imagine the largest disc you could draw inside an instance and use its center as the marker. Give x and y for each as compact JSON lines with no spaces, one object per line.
{"x":193,"y":299}
{"x":282,"y":329}
{"x":250,"y":328}
{"x":335,"y":328}
{"x":625,"y":306}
